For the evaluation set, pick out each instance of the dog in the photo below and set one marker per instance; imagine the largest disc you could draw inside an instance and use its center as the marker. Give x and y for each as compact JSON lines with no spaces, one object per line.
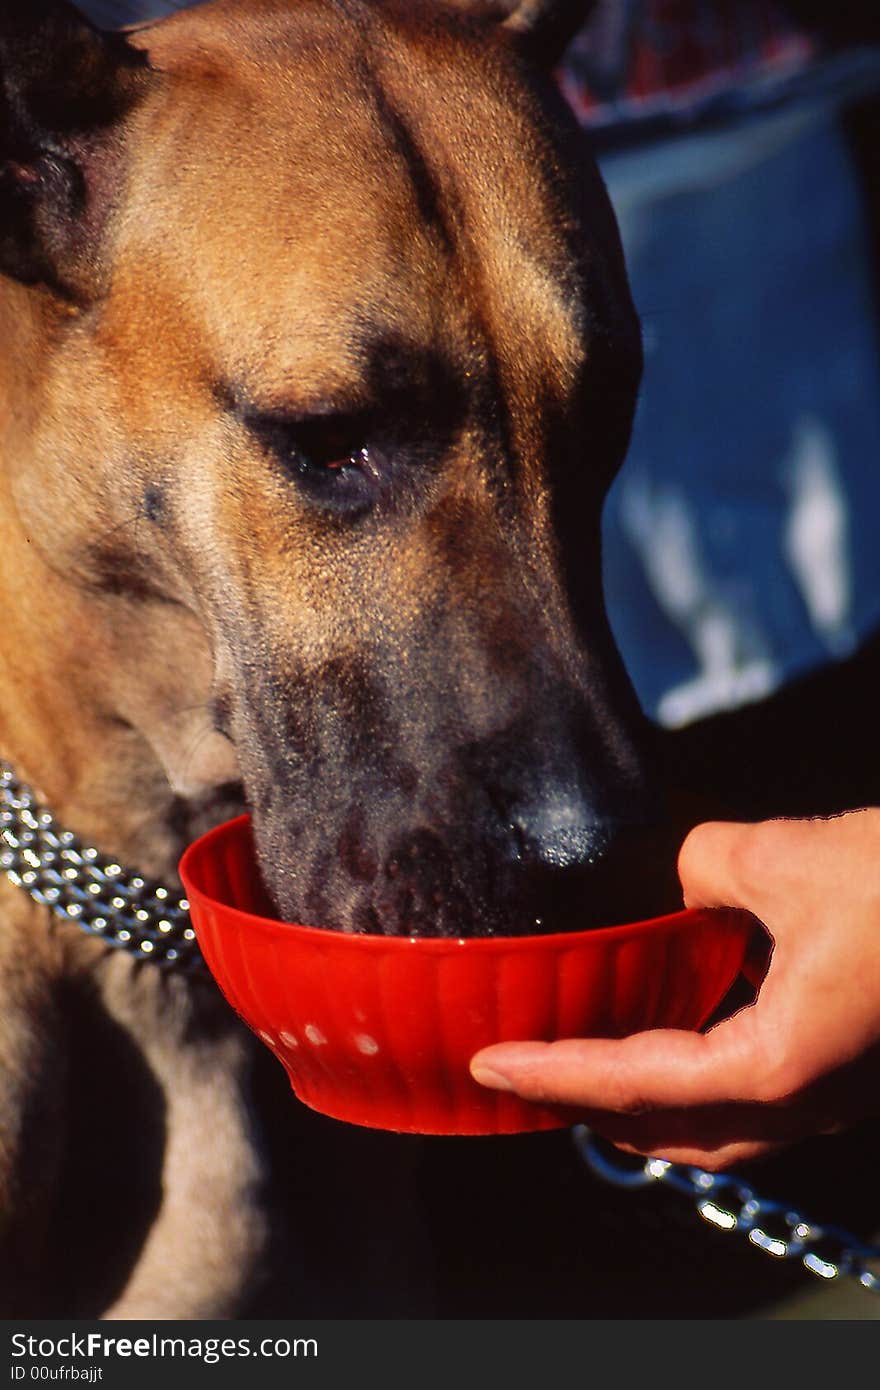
{"x":318,"y":358}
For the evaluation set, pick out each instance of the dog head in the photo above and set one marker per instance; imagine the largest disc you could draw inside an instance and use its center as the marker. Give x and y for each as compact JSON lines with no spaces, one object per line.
{"x":336,"y":361}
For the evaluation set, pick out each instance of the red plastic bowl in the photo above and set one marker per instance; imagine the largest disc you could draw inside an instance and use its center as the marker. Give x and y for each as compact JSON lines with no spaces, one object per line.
{"x":379,"y":1030}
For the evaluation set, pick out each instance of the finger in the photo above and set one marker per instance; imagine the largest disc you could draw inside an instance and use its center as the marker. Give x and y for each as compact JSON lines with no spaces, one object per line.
{"x":709,"y":1135}
{"x":710,"y":865}
{"x":698,"y":1156}
{"x":661,"y":1069}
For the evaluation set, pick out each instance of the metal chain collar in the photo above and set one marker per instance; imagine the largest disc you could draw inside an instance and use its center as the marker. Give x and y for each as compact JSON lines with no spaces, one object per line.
{"x":729,"y":1204}
{"x":78,"y":883}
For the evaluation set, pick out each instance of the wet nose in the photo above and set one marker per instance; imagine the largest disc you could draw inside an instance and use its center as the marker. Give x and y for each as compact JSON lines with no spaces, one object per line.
{"x":579,"y":864}
{"x":561,"y":829}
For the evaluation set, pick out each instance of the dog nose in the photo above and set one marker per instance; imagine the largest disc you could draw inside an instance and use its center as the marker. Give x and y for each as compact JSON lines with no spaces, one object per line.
{"x":576,"y":864}
{"x":560,"y":830}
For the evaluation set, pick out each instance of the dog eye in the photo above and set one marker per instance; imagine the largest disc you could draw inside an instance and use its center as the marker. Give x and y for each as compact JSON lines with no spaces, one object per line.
{"x":327,"y":458}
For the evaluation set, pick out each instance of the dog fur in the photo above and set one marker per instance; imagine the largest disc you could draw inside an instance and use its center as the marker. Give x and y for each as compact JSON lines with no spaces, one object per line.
{"x":232,"y":243}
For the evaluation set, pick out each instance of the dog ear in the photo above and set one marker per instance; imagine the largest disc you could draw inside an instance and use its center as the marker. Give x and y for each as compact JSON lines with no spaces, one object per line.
{"x":544,"y":27}
{"x":64,"y":88}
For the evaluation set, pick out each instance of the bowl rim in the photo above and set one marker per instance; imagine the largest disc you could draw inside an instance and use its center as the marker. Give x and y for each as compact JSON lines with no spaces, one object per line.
{"x":683,"y":918}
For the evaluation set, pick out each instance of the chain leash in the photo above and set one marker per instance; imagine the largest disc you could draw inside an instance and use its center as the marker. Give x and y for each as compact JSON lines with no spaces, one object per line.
{"x":730,"y":1204}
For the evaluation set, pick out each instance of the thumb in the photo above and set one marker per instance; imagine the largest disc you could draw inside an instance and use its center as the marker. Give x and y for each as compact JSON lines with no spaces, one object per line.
{"x":660,"y":1069}
{"x":712,"y":862}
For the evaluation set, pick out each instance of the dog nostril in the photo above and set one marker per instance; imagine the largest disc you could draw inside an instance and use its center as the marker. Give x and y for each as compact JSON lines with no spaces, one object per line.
{"x":518,"y":837}
{"x":560,"y":829}
{"x":560,"y":834}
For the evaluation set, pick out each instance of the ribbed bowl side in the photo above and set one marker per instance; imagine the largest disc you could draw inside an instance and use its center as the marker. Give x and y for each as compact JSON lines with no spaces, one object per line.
{"x":527,"y":992}
{"x":380,"y":1030}
{"x":411,"y":1030}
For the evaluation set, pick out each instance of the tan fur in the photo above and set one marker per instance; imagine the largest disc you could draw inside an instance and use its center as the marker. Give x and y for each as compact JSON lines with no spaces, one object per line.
{"x":262,"y":216}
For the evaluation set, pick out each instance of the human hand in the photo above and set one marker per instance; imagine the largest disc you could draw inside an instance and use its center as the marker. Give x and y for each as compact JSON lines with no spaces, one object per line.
{"x":803,"y":1059}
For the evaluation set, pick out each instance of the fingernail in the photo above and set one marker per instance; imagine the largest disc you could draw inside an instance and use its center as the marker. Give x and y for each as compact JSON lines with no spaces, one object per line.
{"x":493,"y":1079}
